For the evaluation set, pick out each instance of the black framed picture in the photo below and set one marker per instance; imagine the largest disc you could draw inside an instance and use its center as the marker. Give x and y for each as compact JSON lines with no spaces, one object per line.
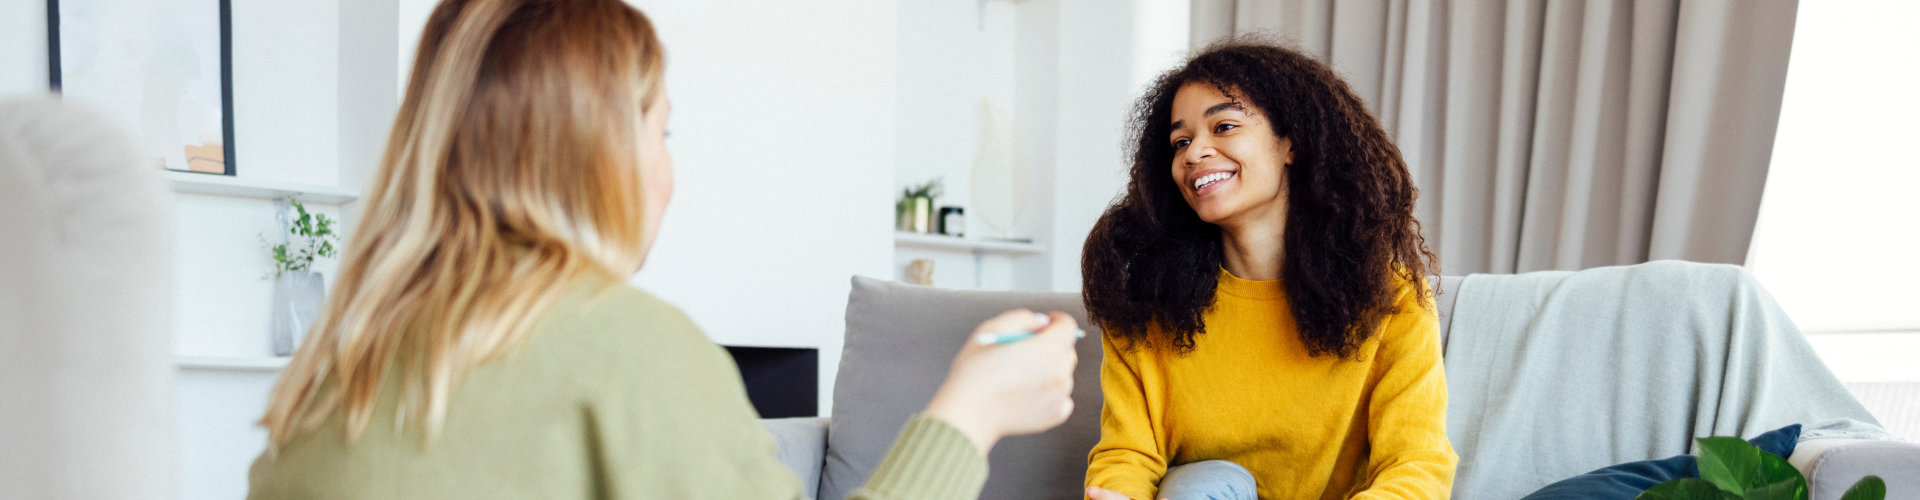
{"x":161,"y":69}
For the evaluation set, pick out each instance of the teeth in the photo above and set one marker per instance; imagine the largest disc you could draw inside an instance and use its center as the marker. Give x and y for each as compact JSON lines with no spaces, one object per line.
{"x":1210,"y":179}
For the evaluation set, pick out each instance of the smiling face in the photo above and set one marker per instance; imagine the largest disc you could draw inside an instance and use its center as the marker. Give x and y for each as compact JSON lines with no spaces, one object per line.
{"x":1226,"y":160}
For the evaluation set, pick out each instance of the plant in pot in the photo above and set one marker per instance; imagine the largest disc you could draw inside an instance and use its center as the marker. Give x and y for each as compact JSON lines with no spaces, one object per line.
{"x":914,"y":211}
{"x":297,"y":289}
{"x":1733,"y":469}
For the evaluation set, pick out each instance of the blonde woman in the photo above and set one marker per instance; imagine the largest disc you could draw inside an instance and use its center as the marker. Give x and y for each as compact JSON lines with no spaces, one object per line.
{"x":480,"y":342}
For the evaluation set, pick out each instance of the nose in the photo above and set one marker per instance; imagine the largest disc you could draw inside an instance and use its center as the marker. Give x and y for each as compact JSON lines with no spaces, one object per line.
{"x":1199,"y":149}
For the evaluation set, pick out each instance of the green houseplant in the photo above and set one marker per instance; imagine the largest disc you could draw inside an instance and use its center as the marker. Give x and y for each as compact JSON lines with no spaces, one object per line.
{"x":914,"y":211}
{"x":297,"y":289}
{"x":1732,"y":469}
{"x":309,"y":236}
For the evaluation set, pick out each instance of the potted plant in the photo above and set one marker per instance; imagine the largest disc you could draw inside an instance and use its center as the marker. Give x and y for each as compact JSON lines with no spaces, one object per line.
{"x":1733,"y":469}
{"x":914,"y":211}
{"x":297,"y":289}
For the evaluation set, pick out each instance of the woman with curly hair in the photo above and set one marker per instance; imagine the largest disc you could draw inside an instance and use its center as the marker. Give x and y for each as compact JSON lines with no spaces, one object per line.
{"x":1261,"y":286}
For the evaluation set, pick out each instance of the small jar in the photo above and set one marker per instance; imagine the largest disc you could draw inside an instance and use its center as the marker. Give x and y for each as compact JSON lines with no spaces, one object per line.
{"x":953,"y":221}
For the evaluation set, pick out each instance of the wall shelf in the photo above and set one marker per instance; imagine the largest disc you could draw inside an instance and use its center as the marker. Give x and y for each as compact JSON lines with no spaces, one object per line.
{"x":190,"y":182}
{"x":231,"y":363}
{"x":944,"y":242}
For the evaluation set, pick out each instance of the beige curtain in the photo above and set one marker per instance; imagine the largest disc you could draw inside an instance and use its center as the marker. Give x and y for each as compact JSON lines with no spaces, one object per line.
{"x":1558,"y":134}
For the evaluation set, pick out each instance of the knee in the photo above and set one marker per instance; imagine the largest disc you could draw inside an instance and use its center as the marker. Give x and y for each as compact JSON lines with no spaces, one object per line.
{"x":1209,"y":480}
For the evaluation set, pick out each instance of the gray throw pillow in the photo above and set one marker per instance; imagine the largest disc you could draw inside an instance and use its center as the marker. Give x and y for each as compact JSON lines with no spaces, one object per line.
{"x":900,"y":341}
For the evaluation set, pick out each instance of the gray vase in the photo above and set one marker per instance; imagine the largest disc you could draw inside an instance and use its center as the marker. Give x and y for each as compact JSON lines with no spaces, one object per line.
{"x":296,"y":301}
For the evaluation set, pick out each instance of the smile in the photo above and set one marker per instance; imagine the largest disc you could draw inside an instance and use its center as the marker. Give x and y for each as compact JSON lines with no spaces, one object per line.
{"x":1210,"y":179}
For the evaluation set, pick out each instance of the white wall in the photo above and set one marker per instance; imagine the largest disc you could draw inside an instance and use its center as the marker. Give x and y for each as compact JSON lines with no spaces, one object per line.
{"x":1071,"y":69}
{"x":286,"y":88}
{"x":1106,"y":54}
{"x":951,"y":59}
{"x":287,"y":127}
{"x":23,"y":47}
{"x":783,"y":145}
{"x":1036,"y":65}
{"x":949,"y":64}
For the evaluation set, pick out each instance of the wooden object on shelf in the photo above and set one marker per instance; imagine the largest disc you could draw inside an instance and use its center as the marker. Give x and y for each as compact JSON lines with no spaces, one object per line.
{"x":976,"y":246}
{"x":207,"y":159}
{"x":920,"y":272}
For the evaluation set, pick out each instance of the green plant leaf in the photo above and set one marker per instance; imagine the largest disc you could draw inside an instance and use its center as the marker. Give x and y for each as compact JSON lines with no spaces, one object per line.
{"x":1869,"y":488}
{"x":1691,"y":488}
{"x":1786,"y":489}
{"x":1775,"y":470}
{"x":1731,"y":463}
{"x":312,"y":238}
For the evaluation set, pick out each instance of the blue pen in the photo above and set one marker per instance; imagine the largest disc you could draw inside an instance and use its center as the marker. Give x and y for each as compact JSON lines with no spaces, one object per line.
{"x":989,"y":339}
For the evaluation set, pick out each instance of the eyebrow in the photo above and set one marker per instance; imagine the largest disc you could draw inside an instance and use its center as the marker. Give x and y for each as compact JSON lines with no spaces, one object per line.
{"x":1214,"y":110}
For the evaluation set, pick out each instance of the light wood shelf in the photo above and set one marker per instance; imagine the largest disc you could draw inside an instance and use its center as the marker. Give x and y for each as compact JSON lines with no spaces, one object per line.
{"x":231,"y":363}
{"x":944,"y":242}
{"x":191,"y":182}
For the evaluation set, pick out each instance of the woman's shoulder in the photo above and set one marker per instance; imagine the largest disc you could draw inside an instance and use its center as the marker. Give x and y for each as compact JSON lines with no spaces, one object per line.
{"x":605,"y":318}
{"x":1411,"y":291}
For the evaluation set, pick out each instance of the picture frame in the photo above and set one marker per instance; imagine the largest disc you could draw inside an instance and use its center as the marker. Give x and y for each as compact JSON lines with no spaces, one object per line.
{"x":161,"y":69}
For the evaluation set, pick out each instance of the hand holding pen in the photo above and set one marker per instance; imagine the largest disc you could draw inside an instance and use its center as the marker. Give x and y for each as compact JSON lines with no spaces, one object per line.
{"x":1013,"y":376}
{"x":992,"y":338}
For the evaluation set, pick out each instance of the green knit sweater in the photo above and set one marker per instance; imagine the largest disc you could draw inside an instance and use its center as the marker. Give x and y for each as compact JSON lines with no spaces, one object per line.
{"x":615,"y":395}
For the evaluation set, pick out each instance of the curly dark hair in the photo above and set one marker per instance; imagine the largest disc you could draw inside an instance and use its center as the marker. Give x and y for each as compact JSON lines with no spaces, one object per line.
{"x":1350,"y":239}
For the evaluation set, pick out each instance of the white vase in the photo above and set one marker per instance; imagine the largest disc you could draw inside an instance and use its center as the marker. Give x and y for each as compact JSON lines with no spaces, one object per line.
{"x":1001,"y":179}
{"x":296,"y":302}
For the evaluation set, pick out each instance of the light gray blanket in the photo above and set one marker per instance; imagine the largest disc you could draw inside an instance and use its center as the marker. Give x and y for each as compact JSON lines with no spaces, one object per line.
{"x":1553,"y":374}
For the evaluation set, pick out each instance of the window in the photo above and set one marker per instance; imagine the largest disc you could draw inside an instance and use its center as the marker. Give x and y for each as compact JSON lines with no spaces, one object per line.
{"x":1838,"y":240}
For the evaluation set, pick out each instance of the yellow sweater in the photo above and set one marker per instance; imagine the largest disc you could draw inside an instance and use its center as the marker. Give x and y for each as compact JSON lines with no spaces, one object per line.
{"x":1372,"y":427}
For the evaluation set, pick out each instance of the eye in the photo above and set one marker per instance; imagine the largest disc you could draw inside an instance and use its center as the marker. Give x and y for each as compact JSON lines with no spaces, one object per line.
{"x":1179,"y":144}
{"x":1222,"y":128}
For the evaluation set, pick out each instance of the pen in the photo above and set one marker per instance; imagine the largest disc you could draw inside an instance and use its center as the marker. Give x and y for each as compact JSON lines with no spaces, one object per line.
{"x":1011,"y":337}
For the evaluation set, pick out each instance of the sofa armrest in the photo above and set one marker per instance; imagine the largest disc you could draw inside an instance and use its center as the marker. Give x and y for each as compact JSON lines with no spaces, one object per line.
{"x":1832,"y":465}
{"x":802,"y":444}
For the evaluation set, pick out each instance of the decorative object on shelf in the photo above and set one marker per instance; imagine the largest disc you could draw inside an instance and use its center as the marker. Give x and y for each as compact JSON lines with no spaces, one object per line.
{"x":297,"y":289}
{"x":1001,"y":178}
{"x":162,"y":70}
{"x":914,"y":211}
{"x":953,"y":221}
{"x":920,"y":272}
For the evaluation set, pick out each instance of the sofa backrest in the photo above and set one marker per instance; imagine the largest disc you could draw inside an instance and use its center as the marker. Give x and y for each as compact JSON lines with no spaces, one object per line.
{"x":901,"y":339}
{"x":1444,"y":298}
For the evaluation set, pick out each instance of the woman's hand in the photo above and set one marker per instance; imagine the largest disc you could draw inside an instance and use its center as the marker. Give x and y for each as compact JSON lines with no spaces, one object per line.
{"x":1024,"y":387}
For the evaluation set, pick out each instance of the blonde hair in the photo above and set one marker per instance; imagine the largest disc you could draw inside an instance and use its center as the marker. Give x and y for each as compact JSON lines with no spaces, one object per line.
{"x":513,"y":168}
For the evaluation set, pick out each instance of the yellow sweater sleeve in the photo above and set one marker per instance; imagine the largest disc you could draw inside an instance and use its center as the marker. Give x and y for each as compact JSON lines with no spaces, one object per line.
{"x":1130,"y":458}
{"x":1407,"y":415}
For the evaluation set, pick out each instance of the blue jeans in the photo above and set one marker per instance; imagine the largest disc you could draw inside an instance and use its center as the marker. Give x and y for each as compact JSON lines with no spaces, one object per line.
{"x":1209,"y":480}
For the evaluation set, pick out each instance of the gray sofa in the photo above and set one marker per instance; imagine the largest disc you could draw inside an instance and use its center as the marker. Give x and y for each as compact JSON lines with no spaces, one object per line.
{"x":901,"y":338}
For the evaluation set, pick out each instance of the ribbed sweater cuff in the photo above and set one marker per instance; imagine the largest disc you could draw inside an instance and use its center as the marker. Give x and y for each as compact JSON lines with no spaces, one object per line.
{"x":929,"y":459}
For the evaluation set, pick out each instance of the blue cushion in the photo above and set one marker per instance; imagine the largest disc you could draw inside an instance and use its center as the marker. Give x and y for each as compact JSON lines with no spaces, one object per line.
{"x":1627,"y":480}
